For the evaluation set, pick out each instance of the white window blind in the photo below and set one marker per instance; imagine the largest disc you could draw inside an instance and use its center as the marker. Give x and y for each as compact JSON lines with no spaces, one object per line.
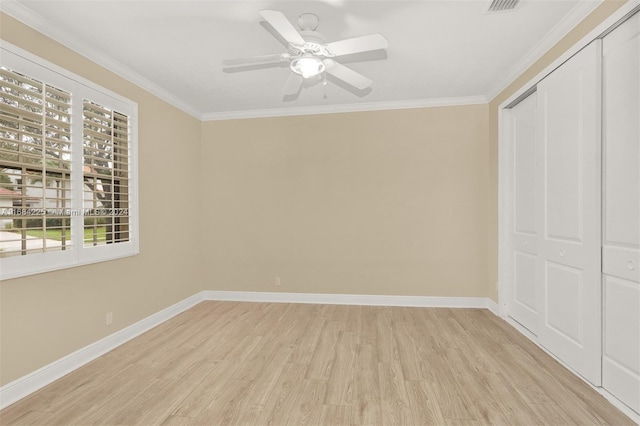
{"x":35,"y":165}
{"x":67,"y":168}
{"x":106,"y":175}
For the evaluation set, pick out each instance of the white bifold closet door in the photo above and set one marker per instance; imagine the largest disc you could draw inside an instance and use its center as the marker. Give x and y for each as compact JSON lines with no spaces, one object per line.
{"x":568,"y":268}
{"x":524,"y":236}
{"x":621,"y":213}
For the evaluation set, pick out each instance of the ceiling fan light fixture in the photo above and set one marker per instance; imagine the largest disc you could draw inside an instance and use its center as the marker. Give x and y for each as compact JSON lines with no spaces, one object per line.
{"x":307,"y":66}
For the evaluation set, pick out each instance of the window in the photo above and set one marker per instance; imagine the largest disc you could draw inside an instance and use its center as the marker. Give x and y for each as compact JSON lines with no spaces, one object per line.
{"x":35,"y":165}
{"x":105,"y":175}
{"x":67,"y":168}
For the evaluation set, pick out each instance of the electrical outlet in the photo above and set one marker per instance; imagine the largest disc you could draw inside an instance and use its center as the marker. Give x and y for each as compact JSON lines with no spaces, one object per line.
{"x":278,"y":282}
{"x":108,"y":320}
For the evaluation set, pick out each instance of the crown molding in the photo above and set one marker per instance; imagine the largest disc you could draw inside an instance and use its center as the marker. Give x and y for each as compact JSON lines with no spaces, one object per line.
{"x":38,"y":23}
{"x":28,"y":17}
{"x":568,"y":23}
{"x":25,"y":15}
{"x":336,"y":109}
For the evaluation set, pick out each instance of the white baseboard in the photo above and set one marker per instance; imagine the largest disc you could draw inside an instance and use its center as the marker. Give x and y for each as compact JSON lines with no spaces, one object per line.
{"x":625,"y":409}
{"x":493,"y":307}
{"x":18,"y":389}
{"x":635,"y":417}
{"x":352,"y":299}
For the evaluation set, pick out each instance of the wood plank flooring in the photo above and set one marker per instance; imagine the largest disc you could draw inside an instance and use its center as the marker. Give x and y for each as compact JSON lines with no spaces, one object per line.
{"x":230,"y":363}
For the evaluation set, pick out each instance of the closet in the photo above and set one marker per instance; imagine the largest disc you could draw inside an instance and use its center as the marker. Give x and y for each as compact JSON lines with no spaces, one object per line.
{"x":574,"y":253}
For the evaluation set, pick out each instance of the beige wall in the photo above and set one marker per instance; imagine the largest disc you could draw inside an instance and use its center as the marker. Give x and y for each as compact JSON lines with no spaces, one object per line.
{"x":581,"y":30}
{"x":388,"y":202}
{"x":46,"y":316}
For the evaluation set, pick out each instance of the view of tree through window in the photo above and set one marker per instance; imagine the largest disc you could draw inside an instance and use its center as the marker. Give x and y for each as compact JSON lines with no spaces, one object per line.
{"x":35,"y":166}
{"x":37,"y":201}
{"x":105,"y":175}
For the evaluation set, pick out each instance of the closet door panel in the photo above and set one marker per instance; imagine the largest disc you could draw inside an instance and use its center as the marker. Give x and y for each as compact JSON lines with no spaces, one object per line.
{"x":569,"y":212}
{"x":524,"y":132}
{"x":563,"y":158}
{"x":525,"y":287}
{"x":523,"y":300}
{"x":563,"y":308}
{"x":621,"y":353}
{"x":621,"y":127}
{"x":621,"y":213}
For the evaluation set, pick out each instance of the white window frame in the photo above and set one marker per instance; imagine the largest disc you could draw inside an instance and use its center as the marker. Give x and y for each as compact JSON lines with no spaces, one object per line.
{"x":26,"y":63}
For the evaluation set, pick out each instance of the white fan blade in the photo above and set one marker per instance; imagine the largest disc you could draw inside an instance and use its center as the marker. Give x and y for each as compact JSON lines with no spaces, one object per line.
{"x":281,"y":24}
{"x":357,"y":45}
{"x":256,"y":60}
{"x":293,"y":85}
{"x":347,"y":75}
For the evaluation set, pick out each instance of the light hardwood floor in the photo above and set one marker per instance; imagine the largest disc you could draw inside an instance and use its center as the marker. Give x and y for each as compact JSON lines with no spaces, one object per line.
{"x":269,"y":363}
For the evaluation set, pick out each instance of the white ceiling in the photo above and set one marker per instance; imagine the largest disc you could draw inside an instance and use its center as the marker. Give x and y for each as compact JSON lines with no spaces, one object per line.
{"x":440,"y":51}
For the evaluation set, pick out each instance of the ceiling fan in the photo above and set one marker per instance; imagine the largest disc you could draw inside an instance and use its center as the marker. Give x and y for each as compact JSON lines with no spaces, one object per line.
{"x":309,"y":55}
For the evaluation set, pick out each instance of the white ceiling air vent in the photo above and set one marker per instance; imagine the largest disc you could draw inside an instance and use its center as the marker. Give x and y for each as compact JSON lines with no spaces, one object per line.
{"x":501,"y":5}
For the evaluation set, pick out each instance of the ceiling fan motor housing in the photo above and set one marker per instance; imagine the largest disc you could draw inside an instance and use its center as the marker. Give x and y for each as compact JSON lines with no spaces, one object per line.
{"x":314,"y":44}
